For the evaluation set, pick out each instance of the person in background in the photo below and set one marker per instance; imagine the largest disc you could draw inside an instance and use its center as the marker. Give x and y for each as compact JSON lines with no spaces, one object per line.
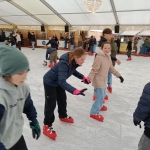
{"x":80,"y":43}
{"x":18,"y":38}
{"x":71,"y":41}
{"x":146,"y":46}
{"x":2,"y":37}
{"x":139,"y":45}
{"x":11,"y":40}
{"x":129,"y":49}
{"x":21,"y":35}
{"x":91,"y":45}
{"x":33,"y":40}
{"x":15,"y":99}
{"x":29,"y":37}
{"x":57,"y":41}
{"x":95,"y":44}
{"x":118,"y":44}
{"x":66,"y":42}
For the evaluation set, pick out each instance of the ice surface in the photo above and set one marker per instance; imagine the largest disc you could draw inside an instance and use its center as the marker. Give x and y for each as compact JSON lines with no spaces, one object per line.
{"x":117,"y":132}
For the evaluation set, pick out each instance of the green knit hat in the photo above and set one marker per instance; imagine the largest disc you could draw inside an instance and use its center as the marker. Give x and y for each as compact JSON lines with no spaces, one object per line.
{"x":12,"y":61}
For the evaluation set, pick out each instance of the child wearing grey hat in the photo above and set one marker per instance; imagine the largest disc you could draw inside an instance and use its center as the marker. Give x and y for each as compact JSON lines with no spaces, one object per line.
{"x":15,"y":99}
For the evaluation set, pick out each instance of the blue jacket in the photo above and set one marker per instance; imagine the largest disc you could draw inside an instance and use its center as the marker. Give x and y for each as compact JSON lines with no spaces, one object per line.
{"x":49,"y":51}
{"x":58,"y":75}
{"x":142,"y":112}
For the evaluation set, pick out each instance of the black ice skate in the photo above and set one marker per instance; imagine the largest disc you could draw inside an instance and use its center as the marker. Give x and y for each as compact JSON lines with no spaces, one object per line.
{"x":45,"y":63}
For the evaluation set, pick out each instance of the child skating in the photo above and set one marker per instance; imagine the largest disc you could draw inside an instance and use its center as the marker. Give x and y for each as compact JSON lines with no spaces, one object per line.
{"x":51,"y":54}
{"x":55,"y":86}
{"x":98,"y":75}
{"x":15,"y":99}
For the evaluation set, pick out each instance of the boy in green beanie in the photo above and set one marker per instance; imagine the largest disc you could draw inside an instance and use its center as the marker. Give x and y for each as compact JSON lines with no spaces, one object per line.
{"x":14,"y":100}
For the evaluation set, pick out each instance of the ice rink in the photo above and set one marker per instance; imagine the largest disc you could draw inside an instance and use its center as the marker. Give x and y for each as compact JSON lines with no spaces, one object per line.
{"x":117,"y":132}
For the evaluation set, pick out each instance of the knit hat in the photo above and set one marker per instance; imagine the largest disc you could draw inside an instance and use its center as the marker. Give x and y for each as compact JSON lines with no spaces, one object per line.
{"x":12,"y":61}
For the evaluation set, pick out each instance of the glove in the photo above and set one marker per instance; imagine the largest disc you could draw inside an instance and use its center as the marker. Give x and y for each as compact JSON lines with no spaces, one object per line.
{"x":86,"y":80}
{"x":79,"y":92}
{"x":121,"y":79}
{"x":36,"y":130}
{"x":136,"y":122}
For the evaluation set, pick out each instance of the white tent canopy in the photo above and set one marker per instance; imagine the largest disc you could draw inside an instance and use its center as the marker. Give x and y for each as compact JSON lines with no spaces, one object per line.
{"x":145,"y":33}
{"x":130,"y":33}
{"x":73,"y":12}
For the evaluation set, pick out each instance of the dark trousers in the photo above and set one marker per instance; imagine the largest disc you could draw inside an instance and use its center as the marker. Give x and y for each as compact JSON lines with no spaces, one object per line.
{"x":20,"y":145}
{"x":118,"y":51}
{"x":129,"y":53}
{"x":53,"y":94}
{"x":19,"y":45}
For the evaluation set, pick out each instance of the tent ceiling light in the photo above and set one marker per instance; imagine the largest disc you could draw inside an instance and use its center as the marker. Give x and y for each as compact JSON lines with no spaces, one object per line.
{"x":93,"y":5}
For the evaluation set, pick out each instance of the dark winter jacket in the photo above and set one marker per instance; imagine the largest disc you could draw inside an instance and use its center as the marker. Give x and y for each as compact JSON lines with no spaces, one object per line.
{"x":91,"y":42}
{"x":102,"y":40}
{"x":66,"y":40}
{"x":33,"y":38}
{"x":129,"y":46}
{"x":58,"y":75}
{"x":12,"y":41}
{"x":71,"y":41}
{"x":49,"y":51}
{"x":117,"y":42}
{"x":2,"y":37}
{"x":142,"y":112}
{"x":53,"y":43}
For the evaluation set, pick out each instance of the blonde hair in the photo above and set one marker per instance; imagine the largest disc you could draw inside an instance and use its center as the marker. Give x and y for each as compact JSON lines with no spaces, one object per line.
{"x":78,"y":52}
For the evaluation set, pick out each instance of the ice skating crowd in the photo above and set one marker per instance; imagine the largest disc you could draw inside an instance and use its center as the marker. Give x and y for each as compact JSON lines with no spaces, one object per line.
{"x":15,"y":97}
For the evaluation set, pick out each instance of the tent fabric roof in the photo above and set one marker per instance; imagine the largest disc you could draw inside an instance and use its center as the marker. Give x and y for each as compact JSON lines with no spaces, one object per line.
{"x":73,"y":12}
{"x":130,"y":33}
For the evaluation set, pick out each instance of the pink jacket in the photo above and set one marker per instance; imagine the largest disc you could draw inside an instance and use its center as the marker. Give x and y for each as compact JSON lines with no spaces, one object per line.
{"x":100,"y":68}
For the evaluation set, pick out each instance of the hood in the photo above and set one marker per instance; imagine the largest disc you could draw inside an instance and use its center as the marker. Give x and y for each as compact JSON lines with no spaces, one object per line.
{"x":6,"y":85}
{"x":101,"y":41}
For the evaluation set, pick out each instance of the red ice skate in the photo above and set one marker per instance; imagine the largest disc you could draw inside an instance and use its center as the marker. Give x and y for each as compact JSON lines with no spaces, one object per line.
{"x":106,"y":97}
{"x":48,"y":131}
{"x":97,"y":117}
{"x":104,"y":108}
{"x":109,"y":89}
{"x":68,"y":119}
{"x":50,"y":65}
{"x":94,"y":97}
{"x":129,"y":59}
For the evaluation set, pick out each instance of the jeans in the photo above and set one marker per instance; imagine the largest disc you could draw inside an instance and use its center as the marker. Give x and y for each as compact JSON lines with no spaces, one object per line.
{"x":65,"y":45}
{"x":72,"y":47}
{"x":146,"y":49}
{"x":1,"y":43}
{"x":33,"y":44}
{"x":109,"y":81}
{"x":94,"y":48}
{"x":91,"y":49}
{"x":100,"y":95}
{"x":14,"y":46}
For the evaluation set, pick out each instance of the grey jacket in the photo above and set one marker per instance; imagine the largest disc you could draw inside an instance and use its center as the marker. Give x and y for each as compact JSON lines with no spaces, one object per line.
{"x":14,"y":100}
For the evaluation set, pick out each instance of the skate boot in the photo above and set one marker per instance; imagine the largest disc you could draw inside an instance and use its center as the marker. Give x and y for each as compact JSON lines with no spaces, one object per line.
{"x":48,"y":131}
{"x":45,"y":63}
{"x":94,"y":97}
{"x":106,"y":97}
{"x":109,"y":89}
{"x":104,"y":108}
{"x":97,"y":117}
{"x":50,"y":65}
{"x":68,"y":119}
